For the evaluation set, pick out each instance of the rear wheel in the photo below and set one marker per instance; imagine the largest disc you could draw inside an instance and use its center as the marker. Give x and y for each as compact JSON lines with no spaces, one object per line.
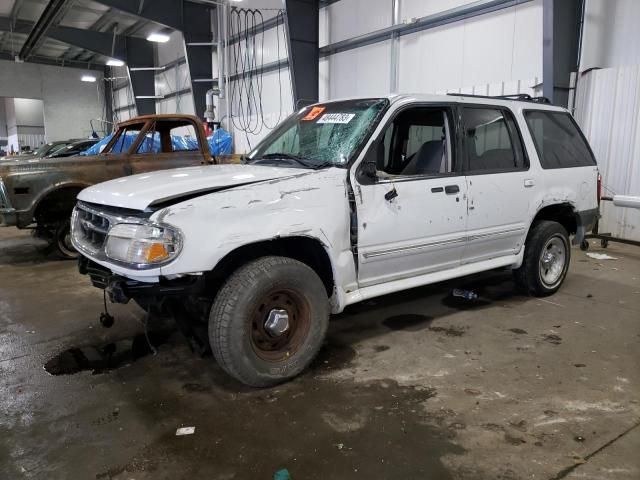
{"x":546,"y":259}
{"x":268,"y":321}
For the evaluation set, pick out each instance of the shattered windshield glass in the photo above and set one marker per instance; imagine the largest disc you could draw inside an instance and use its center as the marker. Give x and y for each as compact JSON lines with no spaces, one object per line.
{"x":322,"y":135}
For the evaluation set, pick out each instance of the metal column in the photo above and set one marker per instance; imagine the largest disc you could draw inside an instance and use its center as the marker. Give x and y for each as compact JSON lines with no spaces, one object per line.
{"x":303,"y":18}
{"x":140,"y":55}
{"x":198,"y":44}
{"x":561,"y":35}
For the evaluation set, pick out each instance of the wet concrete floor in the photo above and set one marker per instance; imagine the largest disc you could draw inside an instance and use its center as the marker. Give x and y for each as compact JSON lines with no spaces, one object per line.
{"x":416,"y":385}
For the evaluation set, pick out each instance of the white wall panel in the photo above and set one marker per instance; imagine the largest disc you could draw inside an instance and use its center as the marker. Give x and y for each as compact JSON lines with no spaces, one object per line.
{"x":69,"y":104}
{"x":607,"y":109}
{"x":360,"y":72}
{"x":611,"y":36}
{"x":499,"y":46}
{"x":170,"y":51}
{"x":172,"y":80}
{"x":422,"y":8}
{"x":273,"y":110}
{"x":350,"y":18}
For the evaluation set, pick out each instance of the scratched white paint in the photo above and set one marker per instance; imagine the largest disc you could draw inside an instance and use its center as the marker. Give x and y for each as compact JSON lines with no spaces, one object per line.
{"x":398,"y":247}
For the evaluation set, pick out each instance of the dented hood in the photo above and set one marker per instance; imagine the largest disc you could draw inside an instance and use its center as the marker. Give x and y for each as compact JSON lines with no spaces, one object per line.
{"x":141,"y":191}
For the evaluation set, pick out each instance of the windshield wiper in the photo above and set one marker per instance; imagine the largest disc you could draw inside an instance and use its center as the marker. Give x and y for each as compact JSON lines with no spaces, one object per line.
{"x":287,"y":156}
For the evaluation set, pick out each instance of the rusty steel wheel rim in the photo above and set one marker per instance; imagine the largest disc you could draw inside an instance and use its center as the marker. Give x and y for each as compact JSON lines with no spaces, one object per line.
{"x":273,"y":346}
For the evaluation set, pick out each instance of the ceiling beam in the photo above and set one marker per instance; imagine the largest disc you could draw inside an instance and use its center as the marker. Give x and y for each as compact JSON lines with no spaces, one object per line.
{"x":100,"y":43}
{"x":59,"y":62}
{"x":51,"y":14}
{"x":164,"y":12}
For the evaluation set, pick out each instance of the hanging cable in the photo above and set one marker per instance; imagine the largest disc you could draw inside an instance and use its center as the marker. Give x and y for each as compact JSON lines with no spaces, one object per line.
{"x":247,"y":56}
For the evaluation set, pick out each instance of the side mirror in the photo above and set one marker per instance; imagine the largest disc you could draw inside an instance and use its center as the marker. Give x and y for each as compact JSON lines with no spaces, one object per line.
{"x":368,"y":171}
{"x":368,"y":168}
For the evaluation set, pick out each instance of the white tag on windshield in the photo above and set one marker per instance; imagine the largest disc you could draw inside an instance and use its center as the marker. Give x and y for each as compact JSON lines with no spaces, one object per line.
{"x":336,"y":118}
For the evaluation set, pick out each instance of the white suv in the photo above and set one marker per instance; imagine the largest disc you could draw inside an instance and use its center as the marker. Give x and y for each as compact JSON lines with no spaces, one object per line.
{"x":343,"y":201}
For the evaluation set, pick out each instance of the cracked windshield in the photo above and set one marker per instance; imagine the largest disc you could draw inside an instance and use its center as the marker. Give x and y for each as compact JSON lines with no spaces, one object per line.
{"x":319,"y":136}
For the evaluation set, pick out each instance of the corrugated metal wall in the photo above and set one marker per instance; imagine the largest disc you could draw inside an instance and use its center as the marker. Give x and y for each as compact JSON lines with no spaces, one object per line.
{"x":502,"y":46}
{"x":608,"y":110}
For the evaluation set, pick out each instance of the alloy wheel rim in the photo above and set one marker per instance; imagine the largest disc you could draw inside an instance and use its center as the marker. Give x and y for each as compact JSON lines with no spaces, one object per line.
{"x":552,"y":262}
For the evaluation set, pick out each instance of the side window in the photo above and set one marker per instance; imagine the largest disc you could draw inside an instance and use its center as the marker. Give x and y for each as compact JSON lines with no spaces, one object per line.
{"x":184,"y":139}
{"x":417,"y":142}
{"x":150,"y":143}
{"x":558,"y":141}
{"x":492,"y":141}
{"x":125,"y":139}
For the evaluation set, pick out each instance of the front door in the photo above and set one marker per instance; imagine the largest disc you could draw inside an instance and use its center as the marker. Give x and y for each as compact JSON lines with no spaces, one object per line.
{"x":412,"y":217}
{"x":499,"y":182}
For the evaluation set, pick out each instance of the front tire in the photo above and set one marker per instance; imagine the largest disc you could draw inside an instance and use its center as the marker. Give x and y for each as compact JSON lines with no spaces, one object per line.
{"x":547,"y":255}
{"x":268,"y":321}
{"x":62,"y":241}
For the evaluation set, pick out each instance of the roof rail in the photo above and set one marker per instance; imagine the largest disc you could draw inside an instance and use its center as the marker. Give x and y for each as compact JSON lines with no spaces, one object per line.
{"x":522,"y":97}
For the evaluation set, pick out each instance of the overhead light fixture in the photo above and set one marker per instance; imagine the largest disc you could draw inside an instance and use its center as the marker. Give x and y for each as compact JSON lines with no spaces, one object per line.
{"x":88,"y":78}
{"x":158,"y":37}
{"x":114,"y":62}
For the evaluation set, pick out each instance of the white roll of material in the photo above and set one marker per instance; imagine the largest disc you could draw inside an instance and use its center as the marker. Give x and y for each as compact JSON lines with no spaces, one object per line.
{"x":626,"y":201}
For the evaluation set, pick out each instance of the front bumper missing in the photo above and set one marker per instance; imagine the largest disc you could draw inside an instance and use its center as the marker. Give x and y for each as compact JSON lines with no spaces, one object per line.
{"x":122,"y":290}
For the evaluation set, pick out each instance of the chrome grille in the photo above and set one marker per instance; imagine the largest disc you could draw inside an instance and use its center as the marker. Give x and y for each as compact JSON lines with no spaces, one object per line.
{"x":90,"y":229}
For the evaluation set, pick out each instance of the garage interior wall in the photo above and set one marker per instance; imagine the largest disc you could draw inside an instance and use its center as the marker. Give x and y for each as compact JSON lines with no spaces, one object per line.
{"x":24,"y":122}
{"x":270,"y":101}
{"x":607,"y":105}
{"x":494,"y":53}
{"x":69,"y":104}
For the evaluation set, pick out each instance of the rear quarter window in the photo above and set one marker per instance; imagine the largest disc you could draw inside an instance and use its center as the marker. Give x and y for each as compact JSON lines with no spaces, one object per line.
{"x":558,"y":140}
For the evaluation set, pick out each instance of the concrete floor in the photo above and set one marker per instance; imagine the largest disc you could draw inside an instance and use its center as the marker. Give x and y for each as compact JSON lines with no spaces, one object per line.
{"x":412,"y":385}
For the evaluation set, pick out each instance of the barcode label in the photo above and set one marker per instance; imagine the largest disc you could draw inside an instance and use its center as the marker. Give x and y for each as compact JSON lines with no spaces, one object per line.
{"x":336,"y":118}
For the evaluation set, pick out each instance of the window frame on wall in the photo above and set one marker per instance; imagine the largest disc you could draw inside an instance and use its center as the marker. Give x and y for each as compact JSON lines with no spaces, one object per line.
{"x":515,"y":137}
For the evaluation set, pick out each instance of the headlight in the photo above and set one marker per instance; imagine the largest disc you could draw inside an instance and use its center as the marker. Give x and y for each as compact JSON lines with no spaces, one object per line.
{"x":142,"y":244}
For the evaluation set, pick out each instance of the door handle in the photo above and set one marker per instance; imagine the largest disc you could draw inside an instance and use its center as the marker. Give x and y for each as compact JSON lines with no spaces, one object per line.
{"x":451,"y":189}
{"x":437,"y":190}
{"x":529,"y":182}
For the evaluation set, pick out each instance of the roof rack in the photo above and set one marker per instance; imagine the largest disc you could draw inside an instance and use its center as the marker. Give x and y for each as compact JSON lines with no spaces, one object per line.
{"x":522,"y":97}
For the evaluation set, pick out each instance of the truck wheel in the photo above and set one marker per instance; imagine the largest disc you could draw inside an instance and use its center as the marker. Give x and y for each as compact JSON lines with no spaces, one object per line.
{"x":62,"y":241}
{"x":268,"y":321}
{"x":546,"y":259}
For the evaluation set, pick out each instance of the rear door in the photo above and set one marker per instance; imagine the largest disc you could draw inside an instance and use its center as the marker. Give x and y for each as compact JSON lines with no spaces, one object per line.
{"x":500,"y":184}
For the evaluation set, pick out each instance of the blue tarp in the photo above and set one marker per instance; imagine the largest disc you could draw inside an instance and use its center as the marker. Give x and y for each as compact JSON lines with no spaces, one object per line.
{"x":220,"y":143}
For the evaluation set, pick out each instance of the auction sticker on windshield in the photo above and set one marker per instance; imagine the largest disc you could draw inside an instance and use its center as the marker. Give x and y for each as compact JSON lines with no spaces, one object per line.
{"x":315,"y":111}
{"x":336,"y":118}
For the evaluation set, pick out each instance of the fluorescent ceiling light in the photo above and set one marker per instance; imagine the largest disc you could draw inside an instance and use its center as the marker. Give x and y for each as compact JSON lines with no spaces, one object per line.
{"x":158,"y":38}
{"x":88,"y":78}
{"x":114,"y":62}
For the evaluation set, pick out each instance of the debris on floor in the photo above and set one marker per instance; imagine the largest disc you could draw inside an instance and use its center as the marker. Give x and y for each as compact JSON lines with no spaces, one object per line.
{"x":282,"y":475}
{"x":185,"y":431}
{"x":466,"y":294}
{"x":600,"y":256}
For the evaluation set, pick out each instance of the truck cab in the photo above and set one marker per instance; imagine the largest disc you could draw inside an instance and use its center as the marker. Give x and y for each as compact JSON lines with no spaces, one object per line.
{"x":40,"y":192}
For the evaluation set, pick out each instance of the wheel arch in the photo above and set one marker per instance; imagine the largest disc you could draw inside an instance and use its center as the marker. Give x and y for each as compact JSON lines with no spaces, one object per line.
{"x":306,"y":249}
{"x":61,"y":193}
{"x":564,"y":213}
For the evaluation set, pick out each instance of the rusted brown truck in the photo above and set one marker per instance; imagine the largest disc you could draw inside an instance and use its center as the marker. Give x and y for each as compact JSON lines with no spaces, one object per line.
{"x":40,"y":193}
